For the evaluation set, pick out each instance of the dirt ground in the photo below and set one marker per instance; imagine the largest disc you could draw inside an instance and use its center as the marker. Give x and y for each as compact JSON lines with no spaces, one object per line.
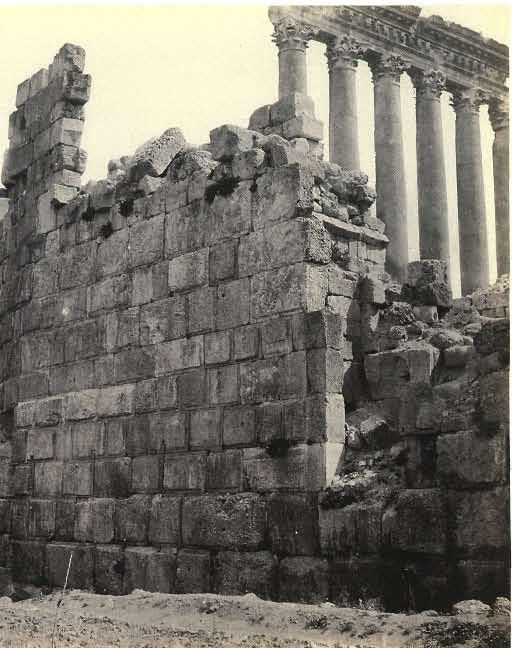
{"x":145,"y":620}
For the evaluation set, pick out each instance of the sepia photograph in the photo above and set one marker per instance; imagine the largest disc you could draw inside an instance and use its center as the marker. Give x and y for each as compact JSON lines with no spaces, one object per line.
{"x":254,"y":325}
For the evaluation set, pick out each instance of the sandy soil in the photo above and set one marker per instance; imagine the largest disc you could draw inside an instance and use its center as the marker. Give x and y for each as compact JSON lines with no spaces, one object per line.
{"x":144,"y":620}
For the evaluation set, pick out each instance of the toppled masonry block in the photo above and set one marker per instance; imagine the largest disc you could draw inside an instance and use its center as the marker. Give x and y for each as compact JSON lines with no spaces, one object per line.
{"x":153,"y":157}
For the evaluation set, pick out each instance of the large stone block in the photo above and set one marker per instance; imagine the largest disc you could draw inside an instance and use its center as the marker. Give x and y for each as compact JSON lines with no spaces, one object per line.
{"x":416,"y":521}
{"x":390,"y":372}
{"x":244,"y":572}
{"x":111,"y":256}
{"x":298,"y":286}
{"x":132,"y":519}
{"x":77,"y":478}
{"x":304,"y":579}
{"x":233,"y":304}
{"x":28,"y":560}
{"x":229,"y":521}
{"x":467,"y":460}
{"x":163,"y":320}
{"x":283,"y":244}
{"x":41,"y":518}
{"x":480,"y":521}
{"x":238,"y":426}
{"x":81,"y":572}
{"x":217,"y":347}
{"x":179,"y":354}
{"x":185,"y":472}
{"x":201,"y":310}
{"x":109,"y":565}
{"x":301,"y":467}
{"x":282,"y":194}
{"x":223,"y":385}
{"x":113,"y":401}
{"x":153,"y":157}
{"x":224,"y":470}
{"x":95,"y":520}
{"x":48,"y":478}
{"x":494,"y":394}
{"x":165,"y":520}
{"x":146,"y":242}
{"x":293,"y":524}
{"x":134,"y":364}
{"x":193,"y":572}
{"x":228,"y":140}
{"x":149,"y":569}
{"x":351,"y":530}
{"x":146,"y":474}
{"x":110,"y":293}
{"x":189,"y":270}
{"x":40,"y":443}
{"x":205,"y":429}
{"x":112,"y":477}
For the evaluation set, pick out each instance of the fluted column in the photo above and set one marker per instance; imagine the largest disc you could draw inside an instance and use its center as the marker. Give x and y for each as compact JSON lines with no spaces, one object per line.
{"x":292,"y":39}
{"x":389,"y":161}
{"x":432,"y":194}
{"x":474,"y":255}
{"x":342,"y":58}
{"x":498,"y":113}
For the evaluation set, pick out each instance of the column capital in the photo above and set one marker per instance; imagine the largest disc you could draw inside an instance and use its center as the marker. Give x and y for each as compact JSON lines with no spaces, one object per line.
{"x":290,"y":34}
{"x":467,"y":100}
{"x":498,"y":113}
{"x":429,"y":84}
{"x":343,"y":52}
{"x":387,"y":66}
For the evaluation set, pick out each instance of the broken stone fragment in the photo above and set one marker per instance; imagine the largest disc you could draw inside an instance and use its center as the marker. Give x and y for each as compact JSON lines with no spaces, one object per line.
{"x":291,"y":106}
{"x":148,"y":185}
{"x":303,"y":126}
{"x":188,"y":162}
{"x":493,"y":337}
{"x":153,"y":157}
{"x":228,"y":140}
{"x":446,"y":338}
{"x":367,"y":428}
{"x":102,"y":195}
{"x":471,"y":607}
{"x":427,"y":314}
{"x":260,"y":118}
{"x":458,"y":356}
{"x":426,"y":271}
{"x":116,"y":170}
{"x":248,"y":164}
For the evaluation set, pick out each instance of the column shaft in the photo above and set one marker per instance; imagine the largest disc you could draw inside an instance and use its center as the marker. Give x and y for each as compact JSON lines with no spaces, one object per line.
{"x":343,"y":132}
{"x":498,"y":113}
{"x":292,"y":39}
{"x":474,"y":255}
{"x":432,"y":195}
{"x":389,"y":162}
{"x":292,"y":71}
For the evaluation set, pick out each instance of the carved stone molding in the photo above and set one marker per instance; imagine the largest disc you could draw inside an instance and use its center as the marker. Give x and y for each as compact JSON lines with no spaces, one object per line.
{"x":498,"y":113}
{"x":291,"y":34}
{"x":467,"y":100}
{"x":345,"y":51}
{"x":387,"y":66}
{"x":429,"y":84}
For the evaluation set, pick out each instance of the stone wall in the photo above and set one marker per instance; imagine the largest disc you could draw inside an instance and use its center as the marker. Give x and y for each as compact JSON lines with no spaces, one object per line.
{"x":180,"y":344}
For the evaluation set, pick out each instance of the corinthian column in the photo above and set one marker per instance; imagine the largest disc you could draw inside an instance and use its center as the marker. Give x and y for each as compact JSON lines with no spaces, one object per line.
{"x":432,"y":195}
{"x":389,"y":161}
{"x":343,"y":134}
{"x":474,"y":255}
{"x":292,"y":39}
{"x":498,"y":113}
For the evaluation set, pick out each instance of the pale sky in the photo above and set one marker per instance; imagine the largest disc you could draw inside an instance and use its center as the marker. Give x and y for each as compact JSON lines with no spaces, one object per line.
{"x":197,"y":67}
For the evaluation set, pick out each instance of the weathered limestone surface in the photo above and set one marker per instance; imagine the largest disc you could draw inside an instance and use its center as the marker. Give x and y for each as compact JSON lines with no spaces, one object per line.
{"x":209,"y":382}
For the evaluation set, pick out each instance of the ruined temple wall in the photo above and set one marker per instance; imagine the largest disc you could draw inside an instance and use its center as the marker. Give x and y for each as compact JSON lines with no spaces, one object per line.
{"x":181,"y":347}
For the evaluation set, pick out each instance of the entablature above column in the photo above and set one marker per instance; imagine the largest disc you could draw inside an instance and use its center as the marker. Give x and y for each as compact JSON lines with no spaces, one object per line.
{"x":463,"y":55}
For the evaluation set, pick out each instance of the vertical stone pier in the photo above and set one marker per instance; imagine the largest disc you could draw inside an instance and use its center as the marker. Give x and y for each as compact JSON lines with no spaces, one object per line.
{"x":474,"y":254}
{"x":389,"y":161}
{"x":432,"y":197}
